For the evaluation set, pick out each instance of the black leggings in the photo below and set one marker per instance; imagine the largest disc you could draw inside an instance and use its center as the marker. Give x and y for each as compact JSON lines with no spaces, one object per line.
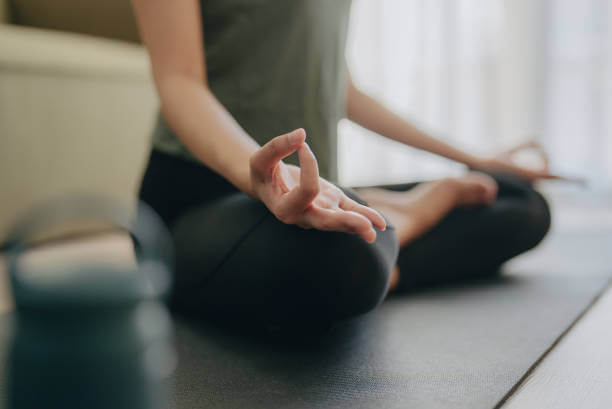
{"x":235,"y":261}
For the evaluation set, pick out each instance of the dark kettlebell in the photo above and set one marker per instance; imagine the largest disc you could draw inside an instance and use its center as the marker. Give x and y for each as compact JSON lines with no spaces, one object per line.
{"x":91,"y":335}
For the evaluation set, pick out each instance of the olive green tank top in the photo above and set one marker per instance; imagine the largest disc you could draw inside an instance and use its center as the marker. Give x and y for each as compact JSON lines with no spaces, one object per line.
{"x":276,"y":65}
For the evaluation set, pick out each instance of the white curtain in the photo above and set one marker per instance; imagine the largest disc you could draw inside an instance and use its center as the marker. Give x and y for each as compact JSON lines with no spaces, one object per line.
{"x":578,"y":104}
{"x":483,"y":74}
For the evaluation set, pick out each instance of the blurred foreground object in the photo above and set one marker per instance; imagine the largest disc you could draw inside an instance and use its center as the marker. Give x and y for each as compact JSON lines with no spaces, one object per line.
{"x":77,"y":102}
{"x":91,"y":334}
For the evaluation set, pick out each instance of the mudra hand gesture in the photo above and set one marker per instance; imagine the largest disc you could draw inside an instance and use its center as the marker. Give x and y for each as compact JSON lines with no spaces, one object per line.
{"x":297,"y":195}
{"x":504,"y":161}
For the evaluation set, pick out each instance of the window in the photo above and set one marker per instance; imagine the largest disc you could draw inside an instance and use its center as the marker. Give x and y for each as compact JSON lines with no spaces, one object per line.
{"x":483,"y":74}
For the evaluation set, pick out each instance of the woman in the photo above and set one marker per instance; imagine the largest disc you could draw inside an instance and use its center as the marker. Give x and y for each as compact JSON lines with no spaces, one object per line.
{"x":260,"y":239}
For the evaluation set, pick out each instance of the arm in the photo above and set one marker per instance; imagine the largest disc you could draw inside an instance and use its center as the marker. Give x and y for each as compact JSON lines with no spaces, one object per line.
{"x":172,"y":33}
{"x":371,"y":114}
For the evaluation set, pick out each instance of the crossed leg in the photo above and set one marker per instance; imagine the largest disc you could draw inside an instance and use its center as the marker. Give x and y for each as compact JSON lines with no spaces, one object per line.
{"x":443,"y":239}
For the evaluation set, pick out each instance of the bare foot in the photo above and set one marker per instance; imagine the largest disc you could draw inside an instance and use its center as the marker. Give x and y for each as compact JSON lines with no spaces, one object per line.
{"x":475,"y":189}
{"x":416,"y":211}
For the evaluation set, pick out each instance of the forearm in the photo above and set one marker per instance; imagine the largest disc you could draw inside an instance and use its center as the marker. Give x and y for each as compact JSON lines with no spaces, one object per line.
{"x":371,"y":114}
{"x":207,"y":129}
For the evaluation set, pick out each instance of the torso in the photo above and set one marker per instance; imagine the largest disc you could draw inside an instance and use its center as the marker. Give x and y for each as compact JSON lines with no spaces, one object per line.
{"x":276,"y":65}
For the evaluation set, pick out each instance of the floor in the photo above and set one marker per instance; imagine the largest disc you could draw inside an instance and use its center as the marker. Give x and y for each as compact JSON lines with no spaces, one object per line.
{"x":576,"y":372}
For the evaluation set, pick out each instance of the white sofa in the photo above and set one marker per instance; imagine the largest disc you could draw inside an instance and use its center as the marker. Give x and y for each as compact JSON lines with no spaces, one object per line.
{"x":76,"y":109}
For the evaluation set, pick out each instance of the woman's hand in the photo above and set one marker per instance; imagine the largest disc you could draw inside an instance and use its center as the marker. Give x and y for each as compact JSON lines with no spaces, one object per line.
{"x":503,"y":162}
{"x":299,"y":196}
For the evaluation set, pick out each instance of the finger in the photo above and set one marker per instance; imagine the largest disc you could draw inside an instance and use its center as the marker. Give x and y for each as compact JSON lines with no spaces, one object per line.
{"x":302,"y":196}
{"x":543,"y":155}
{"x":521,"y":146}
{"x":374,"y":217}
{"x":342,"y":221}
{"x":533,"y":145}
{"x":576,"y":180}
{"x":267,"y":157}
{"x":299,"y":198}
{"x":538,"y":148}
{"x":309,"y":169}
{"x":553,"y":176}
{"x":547,"y":175}
{"x":534,"y":175}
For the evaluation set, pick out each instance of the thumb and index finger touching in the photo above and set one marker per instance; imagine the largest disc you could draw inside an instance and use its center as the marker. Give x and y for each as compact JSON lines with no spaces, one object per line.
{"x":264,"y":161}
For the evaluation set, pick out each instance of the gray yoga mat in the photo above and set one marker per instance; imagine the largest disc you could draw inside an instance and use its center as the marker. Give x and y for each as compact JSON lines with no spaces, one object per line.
{"x":461,"y":347}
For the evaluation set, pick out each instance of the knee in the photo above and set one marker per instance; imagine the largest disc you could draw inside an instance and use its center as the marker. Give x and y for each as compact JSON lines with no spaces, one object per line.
{"x":528,"y":220}
{"x":362,"y":281}
{"x":527,"y":213}
{"x":538,"y":218}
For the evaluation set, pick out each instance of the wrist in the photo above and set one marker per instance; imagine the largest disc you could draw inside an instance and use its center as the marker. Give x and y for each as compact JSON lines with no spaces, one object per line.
{"x":240,"y":177}
{"x":248,"y":186}
{"x":474,"y":162}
